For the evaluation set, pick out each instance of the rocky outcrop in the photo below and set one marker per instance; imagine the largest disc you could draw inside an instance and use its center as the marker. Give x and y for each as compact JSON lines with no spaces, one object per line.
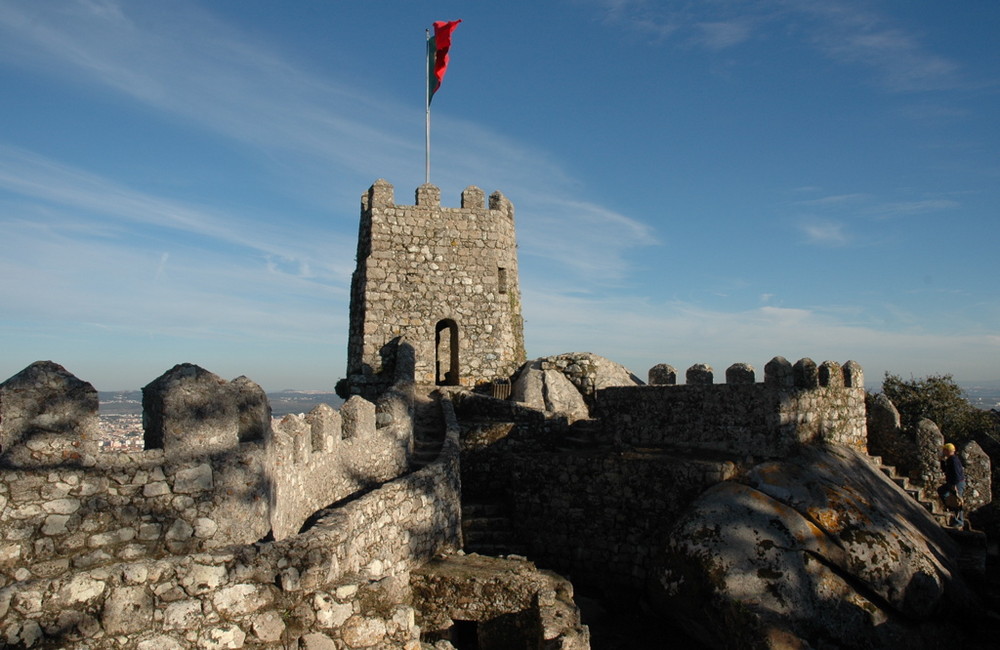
{"x":820,"y":547}
{"x":567,"y":383}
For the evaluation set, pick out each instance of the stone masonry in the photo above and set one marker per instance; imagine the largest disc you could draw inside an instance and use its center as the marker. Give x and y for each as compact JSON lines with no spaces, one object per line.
{"x":446,"y":279}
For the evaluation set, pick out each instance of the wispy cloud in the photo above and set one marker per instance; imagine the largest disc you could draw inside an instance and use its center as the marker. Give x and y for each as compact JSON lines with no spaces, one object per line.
{"x":853,"y":34}
{"x":190,"y":65}
{"x":909,"y":208}
{"x":836,"y":199}
{"x":596,"y":251}
{"x":823,"y":232}
{"x":845,"y":31}
{"x":724,"y":34}
{"x":826,"y":218}
{"x":115,"y":208}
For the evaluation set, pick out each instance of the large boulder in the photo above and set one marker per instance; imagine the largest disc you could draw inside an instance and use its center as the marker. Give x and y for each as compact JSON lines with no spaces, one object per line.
{"x":566,"y":383}
{"x":817,"y":550}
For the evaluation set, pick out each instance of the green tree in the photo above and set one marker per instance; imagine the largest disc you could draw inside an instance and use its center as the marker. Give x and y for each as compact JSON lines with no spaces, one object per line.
{"x":940,"y":399}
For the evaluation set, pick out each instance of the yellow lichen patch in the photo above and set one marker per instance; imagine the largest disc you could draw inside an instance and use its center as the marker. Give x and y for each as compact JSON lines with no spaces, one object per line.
{"x":772,"y":474}
{"x":827,"y":518}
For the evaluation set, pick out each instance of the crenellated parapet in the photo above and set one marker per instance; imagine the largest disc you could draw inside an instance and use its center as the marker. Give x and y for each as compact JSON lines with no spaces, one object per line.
{"x":213,"y":473}
{"x":798,"y":403}
{"x":443,"y":278}
{"x":342,"y":582}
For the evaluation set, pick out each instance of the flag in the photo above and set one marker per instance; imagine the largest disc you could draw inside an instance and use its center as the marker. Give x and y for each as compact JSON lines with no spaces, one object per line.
{"x":437,"y":55}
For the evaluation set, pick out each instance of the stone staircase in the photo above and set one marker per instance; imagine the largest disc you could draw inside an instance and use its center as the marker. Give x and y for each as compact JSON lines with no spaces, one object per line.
{"x":428,"y":427}
{"x":487,"y":529}
{"x":584,"y":433}
{"x":972,"y":543}
{"x":919,"y":493}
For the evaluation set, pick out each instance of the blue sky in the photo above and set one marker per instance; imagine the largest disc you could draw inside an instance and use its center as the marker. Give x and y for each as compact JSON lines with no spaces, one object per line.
{"x":695,"y":182}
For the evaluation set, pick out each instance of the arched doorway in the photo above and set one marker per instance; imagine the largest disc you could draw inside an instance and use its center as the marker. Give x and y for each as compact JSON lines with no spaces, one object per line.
{"x":446,"y":352}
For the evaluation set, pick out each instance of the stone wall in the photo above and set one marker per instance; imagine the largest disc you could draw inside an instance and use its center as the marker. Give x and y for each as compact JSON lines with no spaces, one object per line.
{"x":508,"y":602}
{"x":591,"y":514}
{"x":796,"y":404}
{"x":64,"y":505}
{"x":89,"y":557}
{"x":597,"y":506}
{"x":446,"y":279}
{"x":45,"y":399}
{"x":343,"y":580}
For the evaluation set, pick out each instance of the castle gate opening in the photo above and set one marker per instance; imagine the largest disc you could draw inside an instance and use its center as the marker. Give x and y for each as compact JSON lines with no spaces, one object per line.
{"x":446,"y":352}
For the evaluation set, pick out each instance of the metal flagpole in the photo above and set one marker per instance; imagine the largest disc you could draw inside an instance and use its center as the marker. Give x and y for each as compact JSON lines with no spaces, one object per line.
{"x":427,"y":118}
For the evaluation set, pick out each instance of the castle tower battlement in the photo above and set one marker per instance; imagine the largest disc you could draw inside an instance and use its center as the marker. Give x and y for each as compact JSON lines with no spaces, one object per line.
{"x":445,"y":279}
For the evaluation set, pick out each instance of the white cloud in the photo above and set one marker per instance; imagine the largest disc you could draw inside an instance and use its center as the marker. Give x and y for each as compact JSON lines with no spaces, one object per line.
{"x":848,"y":32}
{"x":823,"y":232}
{"x":724,"y":34}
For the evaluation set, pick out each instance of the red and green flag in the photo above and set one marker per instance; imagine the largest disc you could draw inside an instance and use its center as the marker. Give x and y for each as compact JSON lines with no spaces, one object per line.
{"x":437,"y":55}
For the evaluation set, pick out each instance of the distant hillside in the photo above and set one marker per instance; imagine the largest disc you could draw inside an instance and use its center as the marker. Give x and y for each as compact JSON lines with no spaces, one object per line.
{"x":287,"y":401}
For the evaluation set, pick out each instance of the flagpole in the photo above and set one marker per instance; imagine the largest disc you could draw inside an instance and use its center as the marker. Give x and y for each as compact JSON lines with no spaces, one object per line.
{"x":427,"y":115}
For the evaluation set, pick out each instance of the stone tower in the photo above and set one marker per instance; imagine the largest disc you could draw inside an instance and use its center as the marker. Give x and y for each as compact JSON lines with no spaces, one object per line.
{"x":443,"y":279}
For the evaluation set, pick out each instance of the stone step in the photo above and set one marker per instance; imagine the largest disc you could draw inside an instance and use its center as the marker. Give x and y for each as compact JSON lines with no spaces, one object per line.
{"x":901,"y":481}
{"x":917,"y":492}
{"x":487,"y":529}
{"x":486,"y":523}
{"x":490,"y":537}
{"x":480,"y":510}
{"x":424,"y":444}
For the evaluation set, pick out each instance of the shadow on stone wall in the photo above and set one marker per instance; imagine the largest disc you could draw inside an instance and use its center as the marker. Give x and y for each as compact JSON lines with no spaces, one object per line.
{"x":113,"y":538}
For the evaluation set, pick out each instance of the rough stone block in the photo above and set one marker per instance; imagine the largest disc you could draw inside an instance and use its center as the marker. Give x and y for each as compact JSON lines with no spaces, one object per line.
{"x":358,"y":416}
{"x":45,"y":398}
{"x":190,"y":411}
{"x":740,"y":374}
{"x":699,"y":374}
{"x":662,"y":374}
{"x":128,"y":610}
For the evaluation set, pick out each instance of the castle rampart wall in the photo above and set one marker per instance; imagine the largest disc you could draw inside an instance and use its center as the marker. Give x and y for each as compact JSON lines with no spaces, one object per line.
{"x":63,"y":504}
{"x":592,"y":514}
{"x":599,"y":510}
{"x":81,"y":563}
{"x":796,"y":404}
{"x":344,"y":579}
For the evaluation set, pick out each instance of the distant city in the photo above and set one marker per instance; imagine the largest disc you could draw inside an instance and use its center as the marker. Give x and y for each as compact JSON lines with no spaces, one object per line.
{"x":985,"y":395}
{"x":121,"y":414}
